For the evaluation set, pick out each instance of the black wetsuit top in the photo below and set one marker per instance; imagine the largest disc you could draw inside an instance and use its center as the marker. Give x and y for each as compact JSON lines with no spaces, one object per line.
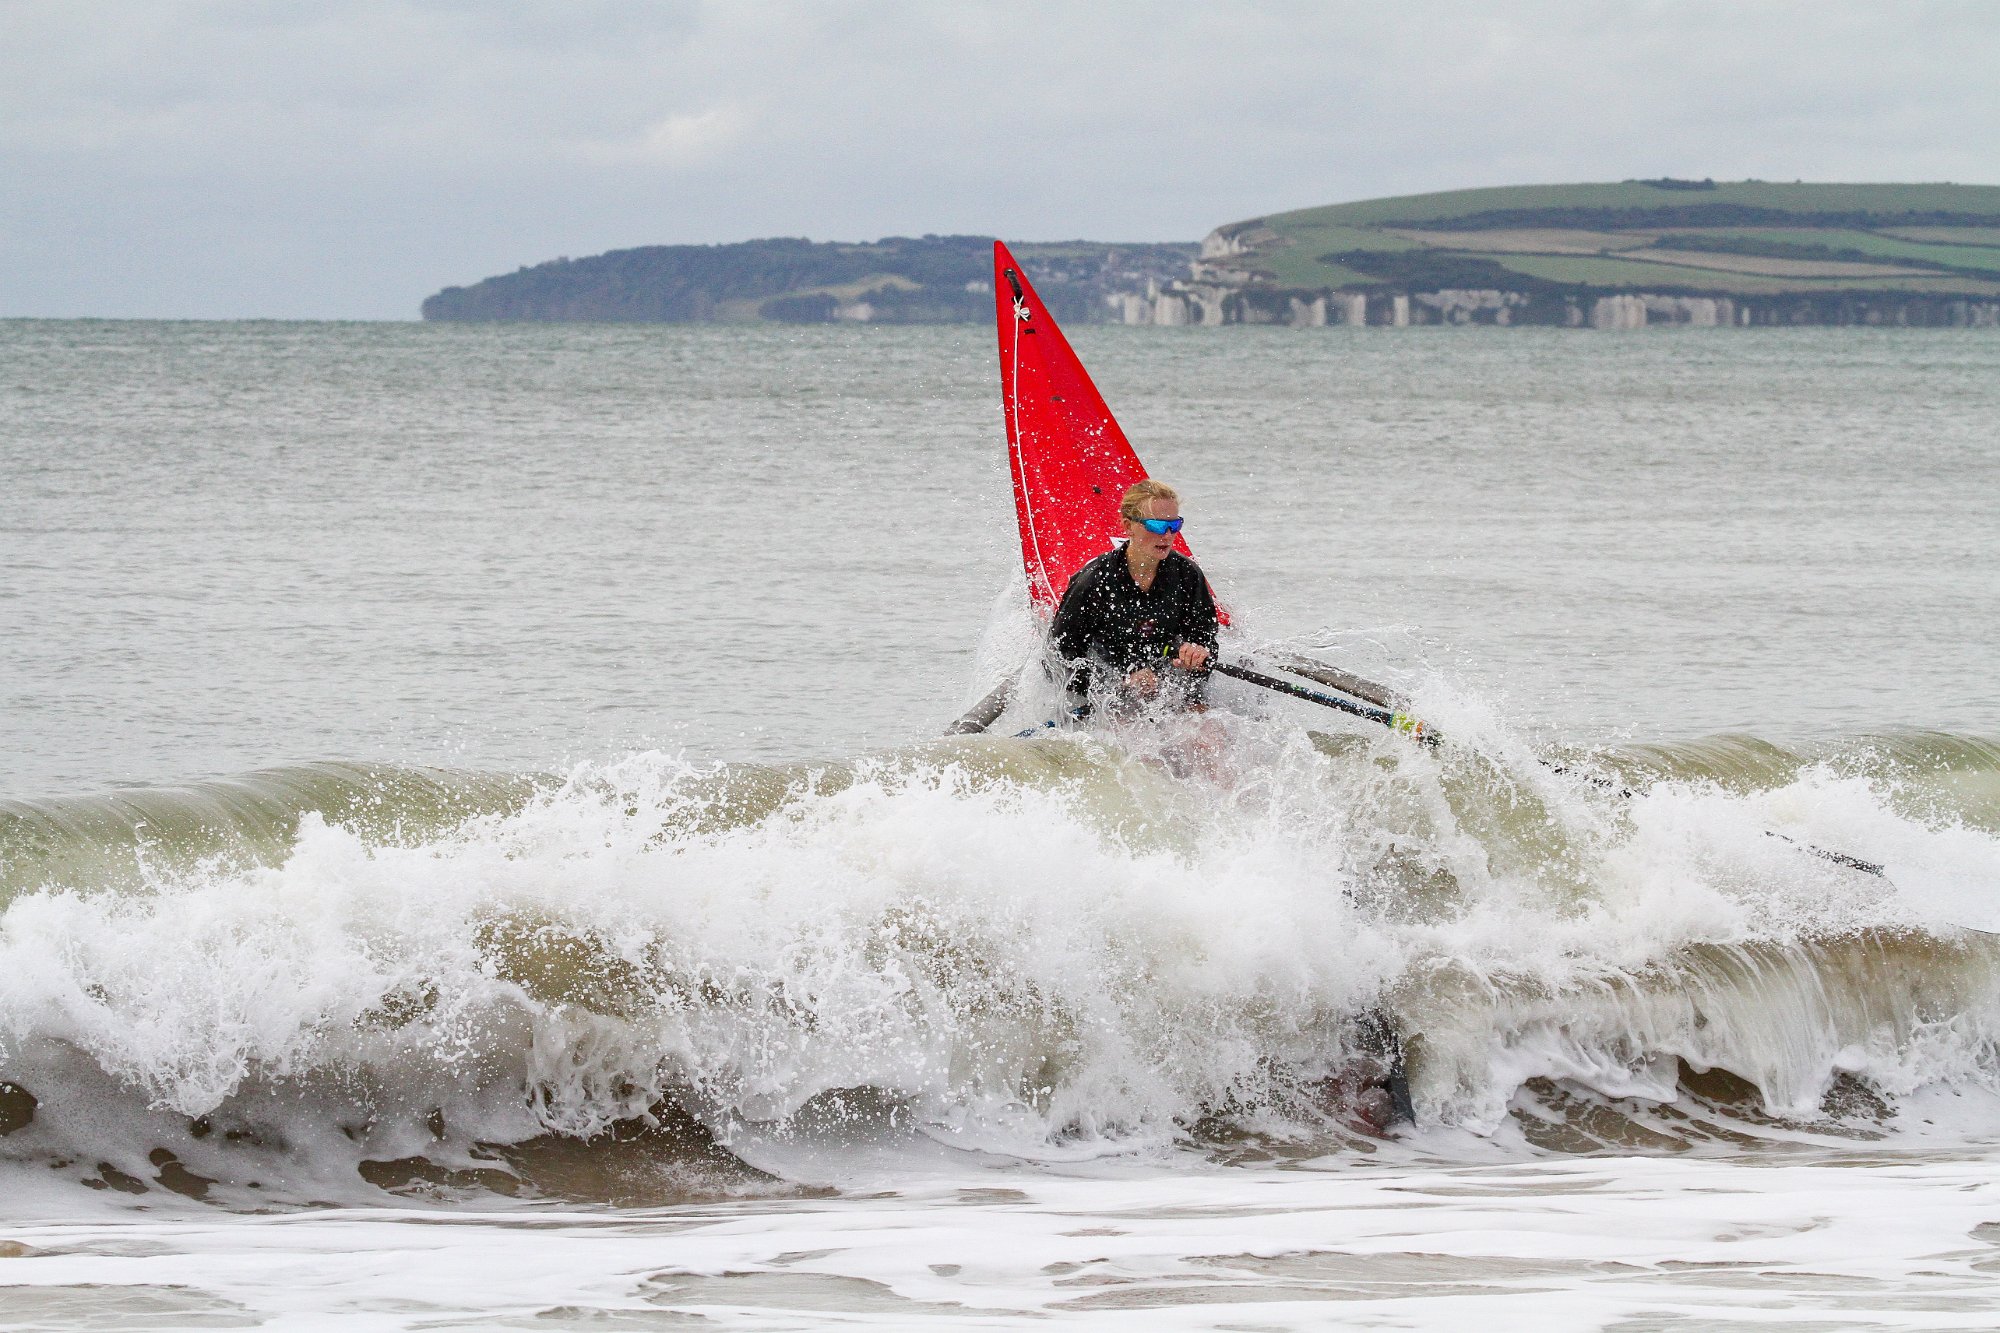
{"x":1106,"y":621}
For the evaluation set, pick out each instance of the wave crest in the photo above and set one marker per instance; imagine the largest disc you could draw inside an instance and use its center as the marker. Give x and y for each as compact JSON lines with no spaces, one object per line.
{"x":1034,"y":947}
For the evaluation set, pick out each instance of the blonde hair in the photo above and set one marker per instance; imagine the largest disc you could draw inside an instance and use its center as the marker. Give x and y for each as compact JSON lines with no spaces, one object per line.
{"x":1132,"y":507}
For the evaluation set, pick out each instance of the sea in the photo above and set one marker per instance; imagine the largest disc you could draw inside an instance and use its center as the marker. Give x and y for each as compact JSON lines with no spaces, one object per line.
{"x":479,"y":846}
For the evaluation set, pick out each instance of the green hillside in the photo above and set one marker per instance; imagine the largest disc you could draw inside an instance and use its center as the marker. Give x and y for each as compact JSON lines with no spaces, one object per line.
{"x":1694,"y":238}
{"x":896,"y":280}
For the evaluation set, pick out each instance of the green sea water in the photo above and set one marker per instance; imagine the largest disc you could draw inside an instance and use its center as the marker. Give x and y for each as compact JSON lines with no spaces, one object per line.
{"x":235,"y":545}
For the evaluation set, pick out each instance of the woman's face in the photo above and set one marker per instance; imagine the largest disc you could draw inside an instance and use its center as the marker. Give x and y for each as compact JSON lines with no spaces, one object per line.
{"x":1149,"y":544}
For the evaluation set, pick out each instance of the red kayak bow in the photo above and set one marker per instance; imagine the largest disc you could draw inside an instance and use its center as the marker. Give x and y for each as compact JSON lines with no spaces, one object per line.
{"x":1071,"y":463}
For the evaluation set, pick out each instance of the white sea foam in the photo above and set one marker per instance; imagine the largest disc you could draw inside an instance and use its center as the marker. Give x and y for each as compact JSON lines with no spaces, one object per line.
{"x":1551,"y":1244}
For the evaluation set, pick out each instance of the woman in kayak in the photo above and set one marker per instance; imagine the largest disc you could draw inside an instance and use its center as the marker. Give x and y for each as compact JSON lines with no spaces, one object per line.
{"x":1137,"y":624}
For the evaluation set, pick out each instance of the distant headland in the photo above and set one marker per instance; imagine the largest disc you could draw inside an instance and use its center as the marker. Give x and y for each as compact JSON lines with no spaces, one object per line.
{"x":898,"y":280}
{"x":1595,"y":256}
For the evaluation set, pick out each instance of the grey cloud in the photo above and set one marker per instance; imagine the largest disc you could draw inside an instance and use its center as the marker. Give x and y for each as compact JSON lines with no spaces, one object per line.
{"x":344,"y":158}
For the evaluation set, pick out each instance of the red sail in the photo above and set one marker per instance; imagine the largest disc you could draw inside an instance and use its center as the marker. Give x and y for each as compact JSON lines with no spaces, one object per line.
{"x":1070,"y":461}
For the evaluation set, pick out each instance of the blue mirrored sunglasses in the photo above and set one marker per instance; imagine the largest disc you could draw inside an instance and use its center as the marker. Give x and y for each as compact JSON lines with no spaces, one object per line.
{"x":1162,"y":526}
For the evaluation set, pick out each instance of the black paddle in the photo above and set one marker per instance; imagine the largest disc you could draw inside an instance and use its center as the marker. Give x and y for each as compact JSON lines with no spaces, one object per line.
{"x":1379,"y":711}
{"x":1388,"y":717}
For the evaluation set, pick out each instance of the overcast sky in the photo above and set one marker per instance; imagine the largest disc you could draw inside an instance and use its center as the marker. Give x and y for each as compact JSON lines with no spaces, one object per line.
{"x":345,"y":158}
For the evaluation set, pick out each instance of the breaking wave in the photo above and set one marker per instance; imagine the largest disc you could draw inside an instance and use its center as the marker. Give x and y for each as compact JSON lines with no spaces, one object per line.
{"x":656,"y":979}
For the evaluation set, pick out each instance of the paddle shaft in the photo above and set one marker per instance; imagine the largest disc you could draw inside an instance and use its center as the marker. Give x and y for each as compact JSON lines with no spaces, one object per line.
{"x":1382,"y":715}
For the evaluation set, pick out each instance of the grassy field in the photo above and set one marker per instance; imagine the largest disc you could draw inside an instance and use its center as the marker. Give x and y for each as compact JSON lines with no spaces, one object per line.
{"x":1947,"y":235}
{"x":1750,"y":238}
{"x":1966,"y":254}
